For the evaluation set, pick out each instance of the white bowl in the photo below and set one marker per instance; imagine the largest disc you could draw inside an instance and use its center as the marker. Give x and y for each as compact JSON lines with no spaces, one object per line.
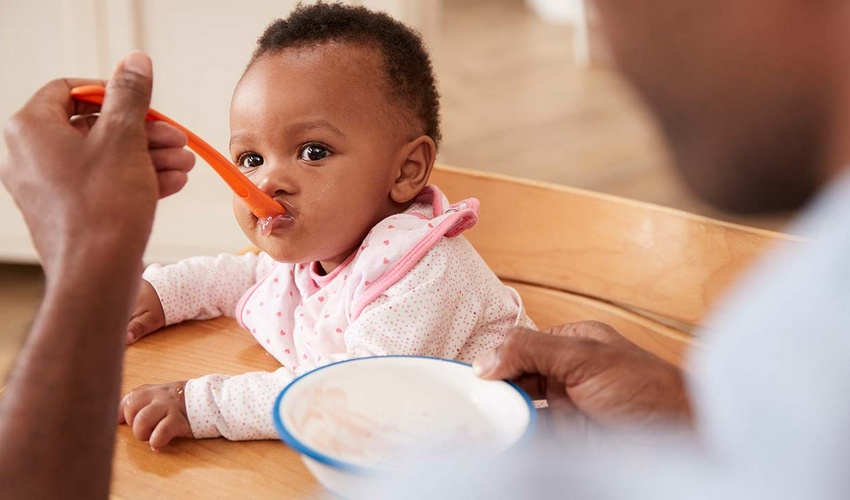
{"x":355,"y":421}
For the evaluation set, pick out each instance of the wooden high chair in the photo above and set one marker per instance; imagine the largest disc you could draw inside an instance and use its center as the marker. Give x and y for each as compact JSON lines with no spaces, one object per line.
{"x":650,"y":272}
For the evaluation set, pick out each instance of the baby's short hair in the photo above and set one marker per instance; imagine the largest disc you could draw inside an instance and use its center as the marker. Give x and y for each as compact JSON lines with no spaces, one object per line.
{"x":407,"y":66}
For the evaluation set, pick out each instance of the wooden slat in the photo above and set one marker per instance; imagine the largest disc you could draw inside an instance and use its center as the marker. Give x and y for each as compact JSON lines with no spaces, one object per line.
{"x":207,"y":468}
{"x":640,"y":255}
{"x":549,"y":308}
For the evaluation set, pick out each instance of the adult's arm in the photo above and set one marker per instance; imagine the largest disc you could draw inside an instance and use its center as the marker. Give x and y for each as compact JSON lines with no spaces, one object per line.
{"x":88,"y":196}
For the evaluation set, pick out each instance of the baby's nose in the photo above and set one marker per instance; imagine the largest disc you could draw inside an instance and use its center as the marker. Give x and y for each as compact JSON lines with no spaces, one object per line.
{"x":274,"y":182}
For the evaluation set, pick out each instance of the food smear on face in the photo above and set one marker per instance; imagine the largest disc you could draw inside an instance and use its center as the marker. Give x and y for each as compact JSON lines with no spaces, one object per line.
{"x":269,"y":224}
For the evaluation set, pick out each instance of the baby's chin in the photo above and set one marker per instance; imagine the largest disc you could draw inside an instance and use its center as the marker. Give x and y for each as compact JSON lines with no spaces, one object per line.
{"x":280,"y":251}
{"x":278,"y":247}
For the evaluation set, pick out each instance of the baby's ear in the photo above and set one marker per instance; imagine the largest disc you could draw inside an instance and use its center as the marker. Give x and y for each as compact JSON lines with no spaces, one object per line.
{"x":418,"y":158}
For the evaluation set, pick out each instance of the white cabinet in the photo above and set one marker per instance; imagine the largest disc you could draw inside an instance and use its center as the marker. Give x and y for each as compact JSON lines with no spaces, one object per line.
{"x":199,"y":49}
{"x":572,"y":12}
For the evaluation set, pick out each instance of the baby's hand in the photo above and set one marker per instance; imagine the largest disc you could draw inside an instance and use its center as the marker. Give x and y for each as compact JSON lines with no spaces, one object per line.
{"x":156,"y":413}
{"x":148,"y":315}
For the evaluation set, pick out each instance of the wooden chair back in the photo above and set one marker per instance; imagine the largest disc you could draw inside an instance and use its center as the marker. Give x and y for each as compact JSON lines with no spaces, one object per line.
{"x":649,"y":271}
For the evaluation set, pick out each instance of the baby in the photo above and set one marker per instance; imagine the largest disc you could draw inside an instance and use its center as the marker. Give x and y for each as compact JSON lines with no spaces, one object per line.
{"x":337,"y":118}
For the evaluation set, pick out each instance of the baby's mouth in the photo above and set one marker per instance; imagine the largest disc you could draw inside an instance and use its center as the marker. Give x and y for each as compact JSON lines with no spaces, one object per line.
{"x":268,"y":225}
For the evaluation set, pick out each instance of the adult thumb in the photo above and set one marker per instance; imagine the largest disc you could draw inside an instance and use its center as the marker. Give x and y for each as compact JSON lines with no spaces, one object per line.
{"x":529,"y":352}
{"x":128,"y":94}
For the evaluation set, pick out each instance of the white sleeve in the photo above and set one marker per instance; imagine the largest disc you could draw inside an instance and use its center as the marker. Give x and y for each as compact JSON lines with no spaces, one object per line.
{"x":205,"y":287}
{"x":238,"y":407}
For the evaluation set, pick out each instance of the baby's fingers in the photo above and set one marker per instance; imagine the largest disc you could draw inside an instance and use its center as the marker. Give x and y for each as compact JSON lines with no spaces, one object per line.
{"x":140,"y":326}
{"x":172,"y":426}
{"x":147,"y":420}
{"x":130,"y":405}
{"x":121,"y":417}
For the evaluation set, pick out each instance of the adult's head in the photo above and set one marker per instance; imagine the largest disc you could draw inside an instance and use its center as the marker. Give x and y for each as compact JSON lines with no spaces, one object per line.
{"x":753,"y":94}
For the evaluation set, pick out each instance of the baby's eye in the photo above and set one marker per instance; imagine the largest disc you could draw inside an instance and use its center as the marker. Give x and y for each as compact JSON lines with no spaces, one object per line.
{"x":313,"y":152}
{"x":249,"y":160}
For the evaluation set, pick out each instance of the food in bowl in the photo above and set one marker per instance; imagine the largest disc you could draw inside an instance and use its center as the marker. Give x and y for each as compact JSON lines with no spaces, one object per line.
{"x":354,"y":420}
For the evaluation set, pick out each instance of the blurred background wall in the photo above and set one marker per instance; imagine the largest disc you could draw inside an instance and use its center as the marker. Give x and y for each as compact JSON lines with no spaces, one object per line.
{"x":199,"y":49}
{"x":521,"y":94}
{"x":526,"y":91}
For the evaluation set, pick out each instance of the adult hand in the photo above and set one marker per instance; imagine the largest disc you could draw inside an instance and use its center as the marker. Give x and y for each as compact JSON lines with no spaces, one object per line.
{"x":88,"y":194}
{"x":589,"y":370}
{"x":81,"y":188}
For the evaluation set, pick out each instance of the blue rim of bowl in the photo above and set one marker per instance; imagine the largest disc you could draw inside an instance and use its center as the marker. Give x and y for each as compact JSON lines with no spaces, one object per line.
{"x":296,"y":444}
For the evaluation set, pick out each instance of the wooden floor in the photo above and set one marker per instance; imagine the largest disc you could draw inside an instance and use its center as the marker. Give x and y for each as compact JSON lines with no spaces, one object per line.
{"x":21,"y":288}
{"x":515,"y":103}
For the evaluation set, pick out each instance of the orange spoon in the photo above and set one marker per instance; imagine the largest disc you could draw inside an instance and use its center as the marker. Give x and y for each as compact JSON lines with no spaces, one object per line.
{"x":261,"y":204}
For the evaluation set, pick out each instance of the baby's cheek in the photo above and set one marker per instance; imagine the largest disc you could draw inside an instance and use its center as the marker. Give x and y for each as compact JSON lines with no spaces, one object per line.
{"x":246,"y":220}
{"x":345,"y":229}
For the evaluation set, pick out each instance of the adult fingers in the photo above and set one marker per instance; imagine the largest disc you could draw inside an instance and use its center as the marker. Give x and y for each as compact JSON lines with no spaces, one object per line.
{"x":591,"y":330}
{"x":170,"y":182}
{"x":527,"y":351}
{"x":147,"y":419}
{"x":164,"y":135}
{"x":84,"y":123}
{"x":160,"y":134}
{"x":533,"y":385}
{"x":128,"y":96}
{"x":54,"y":101}
{"x":172,"y":426}
{"x":172,"y":159}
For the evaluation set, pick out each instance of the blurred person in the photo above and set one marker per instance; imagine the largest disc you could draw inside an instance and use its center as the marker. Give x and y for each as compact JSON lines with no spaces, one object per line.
{"x":754,"y":98}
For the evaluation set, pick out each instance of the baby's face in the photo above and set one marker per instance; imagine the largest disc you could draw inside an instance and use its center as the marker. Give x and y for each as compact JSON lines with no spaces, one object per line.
{"x":313,"y":128}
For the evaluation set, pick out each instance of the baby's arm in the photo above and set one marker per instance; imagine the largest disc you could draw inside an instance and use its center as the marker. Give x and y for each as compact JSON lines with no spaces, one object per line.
{"x":195,"y":288}
{"x":423,"y":314}
{"x":449,"y":306}
{"x":238,"y":408}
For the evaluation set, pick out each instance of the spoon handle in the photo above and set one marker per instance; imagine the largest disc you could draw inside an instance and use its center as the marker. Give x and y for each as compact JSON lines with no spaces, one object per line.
{"x":261,"y":204}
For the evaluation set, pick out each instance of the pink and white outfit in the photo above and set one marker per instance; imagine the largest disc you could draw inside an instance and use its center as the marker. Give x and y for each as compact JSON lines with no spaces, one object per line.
{"x":414,"y":287}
